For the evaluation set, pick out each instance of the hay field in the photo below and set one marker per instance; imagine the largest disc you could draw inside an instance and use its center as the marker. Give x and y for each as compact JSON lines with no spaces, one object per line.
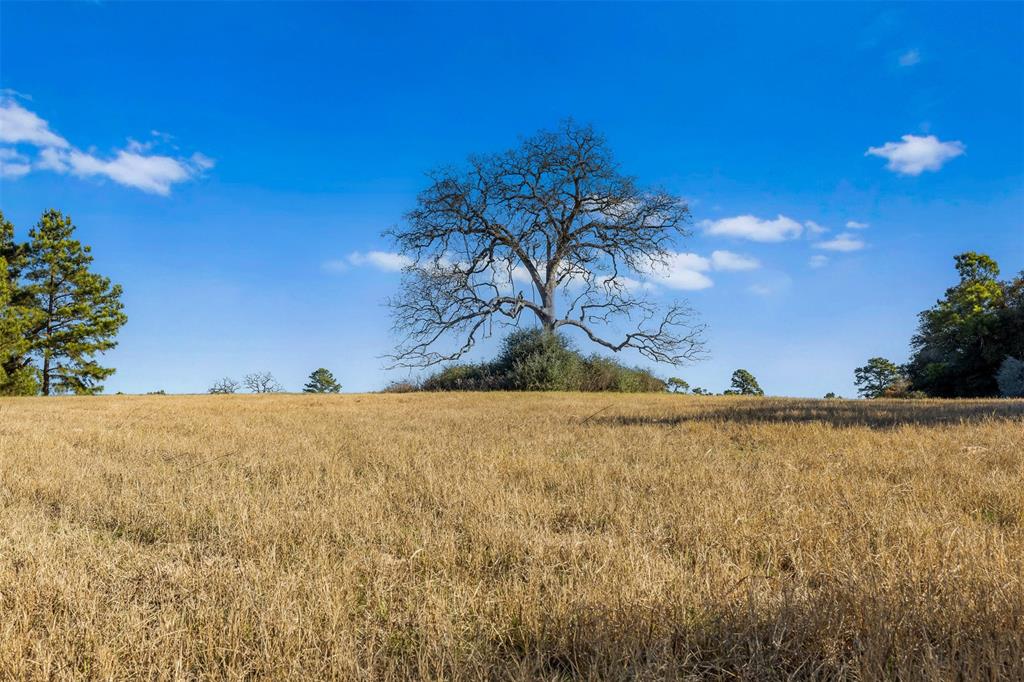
{"x":503,"y":536}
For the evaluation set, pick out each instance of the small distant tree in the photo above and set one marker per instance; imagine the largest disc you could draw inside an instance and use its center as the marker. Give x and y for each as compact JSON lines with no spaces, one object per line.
{"x":697,"y":390}
{"x":831,"y":396}
{"x":1011,"y":378}
{"x":224,"y":386}
{"x":744,"y":383}
{"x":877,"y":377}
{"x":321,"y":381}
{"x":677,"y":385}
{"x":262,"y":382}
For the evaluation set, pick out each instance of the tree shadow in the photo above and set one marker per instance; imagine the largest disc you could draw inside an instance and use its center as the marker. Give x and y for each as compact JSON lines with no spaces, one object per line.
{"x":876,"y":414}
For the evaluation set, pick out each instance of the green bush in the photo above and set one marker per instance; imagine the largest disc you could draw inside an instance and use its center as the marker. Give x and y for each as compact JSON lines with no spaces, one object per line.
{"x":531,"y":360}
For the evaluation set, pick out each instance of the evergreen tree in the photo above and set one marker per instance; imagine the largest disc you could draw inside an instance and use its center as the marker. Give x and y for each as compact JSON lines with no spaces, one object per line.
{"x":877,"y":377}
{"x":321,"y":381}
{"x":744,"y":383}
{"x":80,"y":311}
{"x":17,"y":376}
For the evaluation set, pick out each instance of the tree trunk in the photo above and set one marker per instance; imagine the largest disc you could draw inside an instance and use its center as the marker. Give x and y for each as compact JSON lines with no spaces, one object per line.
{"x":547,"y":320}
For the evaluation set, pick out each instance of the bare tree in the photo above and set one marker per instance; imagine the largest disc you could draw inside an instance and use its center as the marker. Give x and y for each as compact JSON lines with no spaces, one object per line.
{"x":262,"y":382}
{"x":549,"y":228}
{"x":223,"y":386}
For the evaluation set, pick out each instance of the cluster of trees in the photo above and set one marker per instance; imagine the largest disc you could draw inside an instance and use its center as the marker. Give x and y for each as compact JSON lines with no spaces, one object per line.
{"x":321,"y":380}
{"x":970,"y":344}
{"x":56,"y":314}
{"x":742,"y":383}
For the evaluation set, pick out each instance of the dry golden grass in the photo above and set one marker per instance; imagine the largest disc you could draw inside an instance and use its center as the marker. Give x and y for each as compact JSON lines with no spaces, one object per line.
{"x":496,"y":536}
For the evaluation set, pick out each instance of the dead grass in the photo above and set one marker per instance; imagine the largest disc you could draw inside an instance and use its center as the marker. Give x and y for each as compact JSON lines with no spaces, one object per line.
{"x":498,"y":537}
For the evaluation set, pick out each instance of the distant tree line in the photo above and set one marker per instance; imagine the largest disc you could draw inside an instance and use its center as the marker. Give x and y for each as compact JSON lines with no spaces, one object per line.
{"x":321,"y":380}
{"x":970,"y":344}
{"x":56,"y":314}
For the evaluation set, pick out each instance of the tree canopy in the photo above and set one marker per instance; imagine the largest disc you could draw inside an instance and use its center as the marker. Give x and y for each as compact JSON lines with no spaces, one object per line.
{"x":550,"y":229}
{"x":321,"y":381}
{"x":17,"y":376}
{"x":743,"y":383}
{"x":876,"y":377}
{"x":963,"y":339}
{"x":56,"y":314}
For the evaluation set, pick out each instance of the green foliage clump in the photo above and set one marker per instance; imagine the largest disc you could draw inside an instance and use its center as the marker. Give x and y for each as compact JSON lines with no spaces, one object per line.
{"x":743,"y":383}
{"x":1011,"y":378}
{"x":321,"y":381}
{"x":879,"y":377}
{"x":17,"y":316}
{"x":55,"y":314}
{"x":535,"y":360}
{"x":677,"y":385}
{"x":962,"y":341}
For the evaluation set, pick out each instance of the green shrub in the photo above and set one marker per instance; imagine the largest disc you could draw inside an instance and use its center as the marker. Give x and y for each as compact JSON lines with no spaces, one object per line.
{"x":1011,"y":378}
{"x":532,"y":360}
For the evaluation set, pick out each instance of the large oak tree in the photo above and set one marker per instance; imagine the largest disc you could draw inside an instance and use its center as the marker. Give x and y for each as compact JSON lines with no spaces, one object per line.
{"x":551,"y":230}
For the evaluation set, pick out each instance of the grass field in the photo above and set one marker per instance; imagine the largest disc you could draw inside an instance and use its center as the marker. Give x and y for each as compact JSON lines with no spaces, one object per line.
{"x":503,"y":536}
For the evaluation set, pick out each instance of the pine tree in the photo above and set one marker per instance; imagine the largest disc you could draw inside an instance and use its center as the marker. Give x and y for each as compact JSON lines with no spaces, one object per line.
{"x":321,"y":381}
{"x":80,"y":312}
{"x":744,"y":383}
{"x":17,"y":376}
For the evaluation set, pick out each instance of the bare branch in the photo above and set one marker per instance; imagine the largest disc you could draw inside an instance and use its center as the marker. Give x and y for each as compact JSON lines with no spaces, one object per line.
{"x":550,"y":224}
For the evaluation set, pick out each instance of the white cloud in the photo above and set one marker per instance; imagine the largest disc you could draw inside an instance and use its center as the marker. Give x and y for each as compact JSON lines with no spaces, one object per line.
{"x":727,"y":260}
{"x":844,"y":242}
{"x":153,"y":173}
{"x":13,"y":164}
{"x":818,"y":261}
{"x":684,"y":271}
{"x":20,"y":126}
{"x":910,"y":57}
{"x":814,"y":228}
{"x":916,"y":154}
{"x":132,"y":166}
{"x":755,"y":229}
{"x":386,"y":261}
{"x":854,"y":225}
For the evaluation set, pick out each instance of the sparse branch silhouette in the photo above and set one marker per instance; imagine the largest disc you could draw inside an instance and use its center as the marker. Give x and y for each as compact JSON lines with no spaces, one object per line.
{"x":551,"y":229}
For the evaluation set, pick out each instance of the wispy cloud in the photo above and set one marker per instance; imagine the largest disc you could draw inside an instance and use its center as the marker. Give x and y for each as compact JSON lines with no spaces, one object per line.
{"x":909,"y":58}
{"x":689,"y":271}
{"x":729,"y":261}
{"x":385,"y":261}
{"x":916,"y":154}
{"x":13,"y":164}
{"x":814,"y":228}
{"x":754,"y":228}
{"x":684,"y":271}
{"x":18,"y":125}
{"x":854,"y":225}
{"x":134,"y":166}
{"x":844,"y":242}
{"x":818,"y":261}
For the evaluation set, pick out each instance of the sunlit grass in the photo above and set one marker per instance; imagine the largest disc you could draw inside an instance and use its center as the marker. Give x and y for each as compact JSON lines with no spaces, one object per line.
{"x":504,"y":536}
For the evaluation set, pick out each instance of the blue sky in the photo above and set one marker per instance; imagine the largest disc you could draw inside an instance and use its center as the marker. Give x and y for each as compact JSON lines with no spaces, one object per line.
{"x":233,"y":165}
